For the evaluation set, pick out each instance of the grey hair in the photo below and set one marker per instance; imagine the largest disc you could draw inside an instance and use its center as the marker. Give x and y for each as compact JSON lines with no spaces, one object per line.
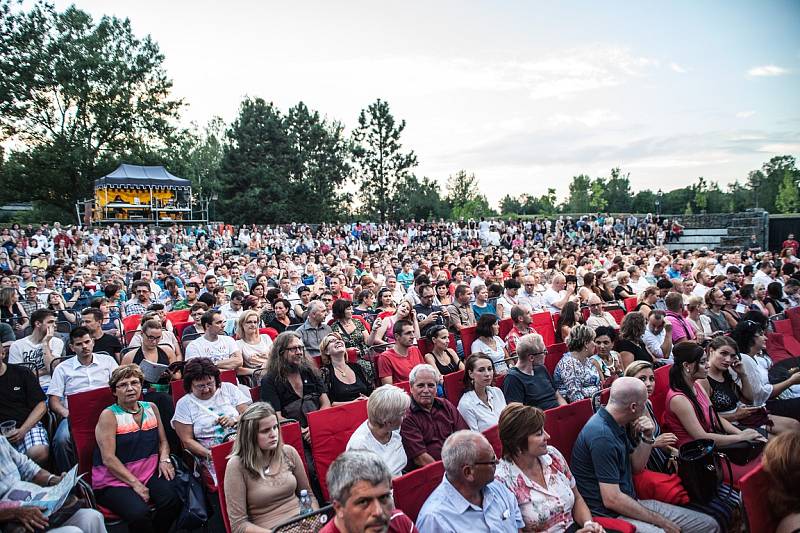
{"x":353,"y":466}
{"x":530,"y":344}
{"x":579,"y":337}
{"x":412,"y":376}
{"x":386,"y":404}
{"x":313,"y":304}
{"x":460,"y":448}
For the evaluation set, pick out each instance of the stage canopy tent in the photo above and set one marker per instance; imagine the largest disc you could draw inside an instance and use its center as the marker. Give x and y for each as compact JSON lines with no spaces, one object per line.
{"x":135,"y":176}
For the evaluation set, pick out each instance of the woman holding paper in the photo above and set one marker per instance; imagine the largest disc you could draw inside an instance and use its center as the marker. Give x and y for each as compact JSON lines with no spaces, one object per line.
{"x":131,"y":469}
{"x":208,"y":412}
{"x":157,"y":390}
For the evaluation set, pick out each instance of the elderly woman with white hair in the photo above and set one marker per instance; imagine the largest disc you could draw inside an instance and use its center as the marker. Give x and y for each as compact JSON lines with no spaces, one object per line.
{"x":429,"y":420}
{"x":380,"y":433}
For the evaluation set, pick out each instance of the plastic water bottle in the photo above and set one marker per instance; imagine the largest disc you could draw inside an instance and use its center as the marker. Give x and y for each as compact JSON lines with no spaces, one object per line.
{"x":305,"y":503}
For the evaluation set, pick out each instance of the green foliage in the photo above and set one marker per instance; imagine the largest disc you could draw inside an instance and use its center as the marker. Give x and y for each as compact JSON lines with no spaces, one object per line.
{"x":617,"y":192}
{"x":419,"y":199}
{"x":379,"y":161}
{"x":788,"y":200}
{"x":580,"y":191}
{"x":73,"y":94}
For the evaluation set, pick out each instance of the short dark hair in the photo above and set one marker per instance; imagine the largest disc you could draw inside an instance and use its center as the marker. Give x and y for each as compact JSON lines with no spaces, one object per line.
{"x":484,"y":326}
{"x":461,"y":289}
{"x":40,"y":315}
{"x":237,"y":294}
{"x":198,"y":368}
{"x":339,"y":307}
{"x":94,"y":311}
{"x":397,"y":329}
{"x":208,"y":317}
{"x":77,"y":333}
{"x":663,"y":283}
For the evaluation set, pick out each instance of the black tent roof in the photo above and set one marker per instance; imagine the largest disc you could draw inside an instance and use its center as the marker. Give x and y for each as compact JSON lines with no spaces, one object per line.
{"x":140,"y":176}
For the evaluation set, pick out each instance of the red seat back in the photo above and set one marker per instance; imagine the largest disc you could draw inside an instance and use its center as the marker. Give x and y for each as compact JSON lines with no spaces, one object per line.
{"x":179,"y":327}
{"x":219,"y":455}
{"x":412,"y":489}
{"x":84,"y":412}
{"x":659,"y":396}
{"x":565,"y":422}
{"x":630,"y":303}
{"x":492,"y":434}
{"x":790,"y":344}
{"x":618,"y":315}
{"x":754,"y":486}
{"x":505,"y":326}
{"x":783,"y":326}
{"x":454,"y":386}
{"x":178,"y":392}
{"x":793,"y":315}
{"x":776,"y":348}
{"x":366,"y":324}
{"x":255,"y":393}
{"x":499,"y":379}
{"x":292,"y":435}
{"x":352,"y":355}
{"x":131,"y":322}
{"x":468,"y":336}
{"x":178,"y":316}
{"x":554,"y":354}
{"x":330,"y":430}
{"x":543,"y":324}
{"x":405,"y":385}
{"x":424,"y":345}
{"x":272,"y":332}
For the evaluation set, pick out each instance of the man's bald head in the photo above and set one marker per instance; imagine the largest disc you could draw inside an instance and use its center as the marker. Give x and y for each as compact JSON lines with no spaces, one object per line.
{"x":625,"y":392}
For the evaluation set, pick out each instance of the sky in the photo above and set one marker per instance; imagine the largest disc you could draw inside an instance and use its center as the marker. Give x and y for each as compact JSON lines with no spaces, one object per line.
{"x":524,"y":94}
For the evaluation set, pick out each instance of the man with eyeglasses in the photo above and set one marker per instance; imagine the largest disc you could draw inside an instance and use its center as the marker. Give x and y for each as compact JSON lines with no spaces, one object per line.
{"x":139,"y":304}
{"x":86,"y":371}
{"x":529,"y":382}
{"x":598,"y":317}
{"x":214,"y":344}
{"x":469,"y":498}
{"x":429,"y":315}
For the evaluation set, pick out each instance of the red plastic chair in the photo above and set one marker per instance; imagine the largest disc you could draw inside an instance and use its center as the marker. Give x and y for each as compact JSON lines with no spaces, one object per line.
{"x":179,"y":327}
{"x":255,"y":393}
{"x":292,"y":435}
{"x":426,"y":346}
{"x":84,"y":413}
{"x":618,"y":315}
{"x":178,"y":392}
{"x":493,"y":436}
{"x":783,"y":326}
{"x":178,"y":316}
{"x":330,"y":430}
{"x":499,"y":379}
{"x":793,"y":315}
{"x":468,"y":336}
{"x":565,"y":422}
{"x":131,"y":322}
{"x":630,"y":303}
{"x":660,"y":392}
{"x":219,"y":455}
{"x":776,"y":348}
{"x":506,"y":325}
{"x":412,"y":489}
{"x":543,"y":324}
{"x":454,"y":386}
{"x":754,"y":486}
{"x":405,"y":385}
{"x":554,"y":354}
{"x":272,"y":332}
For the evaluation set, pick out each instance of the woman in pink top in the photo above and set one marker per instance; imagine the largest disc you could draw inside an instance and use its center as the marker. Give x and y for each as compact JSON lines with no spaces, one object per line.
{"x":688,"y":408}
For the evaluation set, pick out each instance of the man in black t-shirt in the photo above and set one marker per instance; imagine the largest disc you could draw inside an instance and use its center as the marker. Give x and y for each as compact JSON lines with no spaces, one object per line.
{"x":22,"y":401}
{"x":429,"y":315}
{"x":92,"y":319}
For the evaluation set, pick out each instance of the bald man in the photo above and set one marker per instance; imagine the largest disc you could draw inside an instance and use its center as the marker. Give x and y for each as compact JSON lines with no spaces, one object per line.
{"x":604,"y":460}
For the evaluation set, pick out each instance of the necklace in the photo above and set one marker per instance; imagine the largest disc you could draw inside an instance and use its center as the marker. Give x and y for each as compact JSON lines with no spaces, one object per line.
{"x":341,"y":372}
{"x":133,"y":412}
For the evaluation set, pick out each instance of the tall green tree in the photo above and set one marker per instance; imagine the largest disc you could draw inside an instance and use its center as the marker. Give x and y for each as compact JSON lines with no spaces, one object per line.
{"x":618,"y":192}
{"x":419,"y":199}
{"x":580,"y":189}
{"x":788,"y":200}
{"x":320,"y":165}
{"x":597,"y":196}
{"x":74,"y":93}
{"x":254,"y":176}
{"x":765,"y":184}
{"x":380,"y":162}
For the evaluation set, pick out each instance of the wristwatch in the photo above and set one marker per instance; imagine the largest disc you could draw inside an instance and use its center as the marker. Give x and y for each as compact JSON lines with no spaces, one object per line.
{"x":644,"y":439}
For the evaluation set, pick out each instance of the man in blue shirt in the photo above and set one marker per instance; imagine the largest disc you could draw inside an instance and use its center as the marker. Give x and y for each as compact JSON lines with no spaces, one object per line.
{"x":604,"y":460}
{"x":468,"y":498}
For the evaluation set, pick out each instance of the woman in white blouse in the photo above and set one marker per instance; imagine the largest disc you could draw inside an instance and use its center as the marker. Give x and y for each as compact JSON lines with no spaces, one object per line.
{"x":255,"y":346}
{"x":481,"y":404}
{"x":489,"y":342}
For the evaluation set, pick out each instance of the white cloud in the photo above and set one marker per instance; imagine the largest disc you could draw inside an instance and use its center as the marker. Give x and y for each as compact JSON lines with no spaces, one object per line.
{"x":745,"y":114}
{"x":677,"y":68}
{"x":590,"y":119}
{"x":767,"y":70}
{"x":780,"y":148}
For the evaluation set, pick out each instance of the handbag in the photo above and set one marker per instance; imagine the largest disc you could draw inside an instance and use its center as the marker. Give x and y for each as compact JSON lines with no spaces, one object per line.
{"x":699,"y":467}
{"x":194,"y":511}
{"x":299,"y":408}
{"x":739,"y":453}
{"x":755,"y":419}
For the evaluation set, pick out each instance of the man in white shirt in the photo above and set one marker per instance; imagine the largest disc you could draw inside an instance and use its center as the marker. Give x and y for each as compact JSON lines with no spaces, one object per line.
{"x":763,"y":274}
{"x":558,"y":294}
{"x":529,"y":296}
{"x":380,"y":433}
{"x":86,"y":371}
{"x":40,"y":347}
{"x":598,"y":317}
{"x":221,"y":349}
{"x":657,"y":336}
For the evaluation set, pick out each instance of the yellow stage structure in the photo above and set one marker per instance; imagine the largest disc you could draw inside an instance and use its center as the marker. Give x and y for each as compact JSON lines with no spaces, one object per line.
{"x":141,"y":194}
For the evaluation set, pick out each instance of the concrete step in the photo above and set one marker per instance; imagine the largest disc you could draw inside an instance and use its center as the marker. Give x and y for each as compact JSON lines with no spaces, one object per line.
{"x":705,"y":231}
{"x":704,"y":240}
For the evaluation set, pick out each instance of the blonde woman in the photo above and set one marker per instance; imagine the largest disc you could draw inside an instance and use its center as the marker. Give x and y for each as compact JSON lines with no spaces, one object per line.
{"x":255,"y":346}
{"x":263,"y":477}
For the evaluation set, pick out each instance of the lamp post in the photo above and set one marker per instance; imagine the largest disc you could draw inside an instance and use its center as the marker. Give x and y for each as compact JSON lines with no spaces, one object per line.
{"x":659,"y":195}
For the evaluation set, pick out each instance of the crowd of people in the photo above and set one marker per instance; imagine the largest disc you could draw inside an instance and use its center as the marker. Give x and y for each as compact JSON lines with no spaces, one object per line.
{"x":326,"y":315}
